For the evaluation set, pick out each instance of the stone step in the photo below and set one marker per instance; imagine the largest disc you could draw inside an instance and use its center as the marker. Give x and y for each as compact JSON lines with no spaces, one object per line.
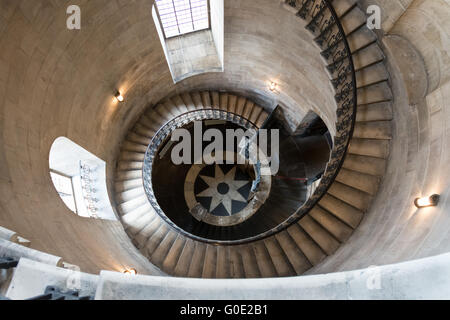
{"x":215,"y":99}
{"x":155,"y":240}
{"x":163,"y":249}
{"x":370,"y":147}
{"x":320,"y":235}
{"x":310,"y":249}
{"x":357,"y":198}
{"x":122,"y":186}
{"x":128,"y":206}
{"x":141,"y":238}
{"x":379,"y":92}
{"x":373,"y":130}
{"x":129,"y":195}
{"x":223,"y":264}
{"x":132,"y":216}
{"x":223,"y":101}
{"x":128,"y":175}
{"x":206,"y":100}
{"x":358,"y":180}
{"x":279,"y":259}
{"x":360,"y":38}
{"x":209,"y":263}
{"x":236,"y":265}
{"x":371,"y":74}
{"x":364,"y":164}
{"x":135,"y":226}
{"x":188,"y":101}
{"x":295,"y":256}
{"x":197,"y":260}
{"x":136,"y":138}
{"x":249,"y":262}
{"x":353,"y":19}
{"x":375,"y":112}
{"x":343,"y":6}
{"x":232,"y":102}
{"x":263,"y":260}
{"x":129,"y":165}
{"x":368,"y":56}
{"x":197,"y":99}
{"x":132,"y":156}
{"x":340,"y":209}
{"x":338,"y":229}
{"x":184,"y":261}
{"x":178,"y":101}
{"x":170,"y":261}
{"x":134,"y":147}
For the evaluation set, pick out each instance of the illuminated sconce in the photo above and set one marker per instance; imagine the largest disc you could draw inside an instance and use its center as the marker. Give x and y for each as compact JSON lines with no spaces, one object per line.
{"x":425,"y":202}
{"x":273,"y":86}
{"x":130,"y":272}
{"x":119,"y":96}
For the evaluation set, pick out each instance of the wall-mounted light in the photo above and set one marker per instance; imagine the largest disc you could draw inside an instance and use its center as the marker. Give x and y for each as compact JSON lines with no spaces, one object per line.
{"x":273,"y":86}
{"x":119,"y":96}
{"x":131,"y":272}
{"x":430,"y":201}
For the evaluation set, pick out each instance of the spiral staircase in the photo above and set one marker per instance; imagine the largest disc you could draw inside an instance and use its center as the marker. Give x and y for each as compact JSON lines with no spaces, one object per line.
{"x":356,"y":65}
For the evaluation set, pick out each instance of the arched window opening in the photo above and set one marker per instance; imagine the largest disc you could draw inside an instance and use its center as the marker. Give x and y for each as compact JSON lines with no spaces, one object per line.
{"x":79,"y":178}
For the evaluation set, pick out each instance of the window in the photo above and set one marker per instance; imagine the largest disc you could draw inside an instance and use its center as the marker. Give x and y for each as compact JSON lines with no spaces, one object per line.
{"x":183,"y":16}
{"x":64,"y":187}
{"x":79,"y":178}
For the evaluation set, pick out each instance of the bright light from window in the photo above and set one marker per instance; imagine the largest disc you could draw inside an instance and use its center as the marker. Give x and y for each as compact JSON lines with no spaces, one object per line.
{"x":183,"y":16}
{"x":64,"y":188}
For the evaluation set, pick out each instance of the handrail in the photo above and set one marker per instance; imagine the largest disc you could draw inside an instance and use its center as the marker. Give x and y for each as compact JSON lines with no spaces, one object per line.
{"x":346,"y":99}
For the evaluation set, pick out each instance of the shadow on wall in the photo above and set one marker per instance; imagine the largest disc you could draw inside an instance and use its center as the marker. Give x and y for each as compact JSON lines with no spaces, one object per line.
{"x":79,"y":178}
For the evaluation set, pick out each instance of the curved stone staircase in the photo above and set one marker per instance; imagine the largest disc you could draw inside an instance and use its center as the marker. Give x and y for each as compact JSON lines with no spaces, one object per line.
{"x":327,"y":225}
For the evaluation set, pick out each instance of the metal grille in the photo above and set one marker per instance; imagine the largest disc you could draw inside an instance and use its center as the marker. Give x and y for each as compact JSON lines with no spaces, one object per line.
{"x":183,"y":16}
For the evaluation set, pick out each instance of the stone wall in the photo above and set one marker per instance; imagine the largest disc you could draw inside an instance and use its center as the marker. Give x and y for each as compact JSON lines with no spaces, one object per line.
{"x":58,"y":82}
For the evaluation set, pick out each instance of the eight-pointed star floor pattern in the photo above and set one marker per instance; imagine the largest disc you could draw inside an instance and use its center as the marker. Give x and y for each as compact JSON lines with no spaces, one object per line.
{"x":223,"y":189}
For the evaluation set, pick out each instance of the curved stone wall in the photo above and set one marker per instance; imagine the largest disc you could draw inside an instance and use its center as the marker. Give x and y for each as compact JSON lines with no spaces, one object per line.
{"x":58,"y":82}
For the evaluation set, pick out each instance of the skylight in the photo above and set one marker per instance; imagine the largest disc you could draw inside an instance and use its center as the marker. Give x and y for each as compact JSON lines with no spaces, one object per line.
{"x":183,"y":16}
